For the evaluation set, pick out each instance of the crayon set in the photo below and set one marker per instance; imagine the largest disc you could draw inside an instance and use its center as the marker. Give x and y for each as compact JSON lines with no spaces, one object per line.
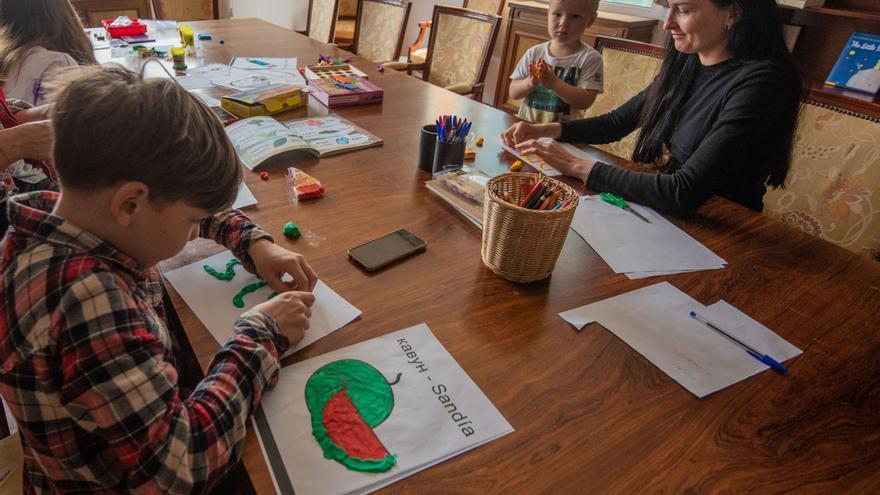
{"x":538,"y":195}
{"x":452,"y":129}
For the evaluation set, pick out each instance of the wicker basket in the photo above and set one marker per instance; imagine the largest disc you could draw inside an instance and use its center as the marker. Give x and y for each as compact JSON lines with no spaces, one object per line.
{"x":520,"y":244}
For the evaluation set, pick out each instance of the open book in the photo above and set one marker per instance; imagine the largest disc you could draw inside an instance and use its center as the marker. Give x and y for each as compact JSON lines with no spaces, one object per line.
{"x":263,"y":141}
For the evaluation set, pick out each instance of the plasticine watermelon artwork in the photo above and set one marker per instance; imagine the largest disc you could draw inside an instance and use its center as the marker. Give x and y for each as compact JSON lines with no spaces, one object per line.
{"x":347,"y":399}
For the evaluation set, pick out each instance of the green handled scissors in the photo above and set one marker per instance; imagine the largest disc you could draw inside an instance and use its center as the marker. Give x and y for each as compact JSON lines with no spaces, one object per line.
{"x":617,"y":201}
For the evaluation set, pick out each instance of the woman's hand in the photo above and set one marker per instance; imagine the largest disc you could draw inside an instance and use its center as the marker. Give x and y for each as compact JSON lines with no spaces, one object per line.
{"x":273,"y":261}
{"x":291,"y":312}
{"x":556,"y":156}
{"x":522,"y":131}
{"x":33,"y":114}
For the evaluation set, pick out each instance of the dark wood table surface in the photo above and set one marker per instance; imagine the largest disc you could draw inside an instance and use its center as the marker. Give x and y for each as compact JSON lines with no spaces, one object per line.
{"x":591,"y":414}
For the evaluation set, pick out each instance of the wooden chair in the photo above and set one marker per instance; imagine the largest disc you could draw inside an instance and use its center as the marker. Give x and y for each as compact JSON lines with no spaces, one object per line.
{"x":418,"y":55}
{"x":630,"y":66}
{"x":459,"y":50}
{"x":833,"y":188}
{"x":93,"y":11}
{"x":191,"y":10}
{"x":381,"y":25}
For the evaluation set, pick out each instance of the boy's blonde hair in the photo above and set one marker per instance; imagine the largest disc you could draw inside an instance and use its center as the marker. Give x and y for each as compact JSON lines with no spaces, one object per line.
{"x":592,"y":6}
{"x":51,"y":24}
{"x":111,"y":126}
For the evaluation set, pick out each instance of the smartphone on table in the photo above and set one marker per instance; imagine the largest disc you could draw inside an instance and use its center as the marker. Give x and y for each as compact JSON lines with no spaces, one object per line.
{"x":387,"y":249}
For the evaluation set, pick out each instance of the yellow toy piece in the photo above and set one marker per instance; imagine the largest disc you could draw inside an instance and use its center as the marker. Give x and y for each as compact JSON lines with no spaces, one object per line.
{"x":516,"y":166}
{"x":479,"y":141}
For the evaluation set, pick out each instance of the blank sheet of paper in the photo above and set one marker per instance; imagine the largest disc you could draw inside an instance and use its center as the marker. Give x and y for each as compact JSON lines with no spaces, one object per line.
{"x":655,"y":321}
{"x":631,"y":245}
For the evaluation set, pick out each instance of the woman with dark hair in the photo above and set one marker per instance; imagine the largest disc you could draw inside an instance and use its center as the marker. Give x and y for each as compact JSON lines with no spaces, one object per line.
{"x":36,"y":37}
{"x":717,"y":119}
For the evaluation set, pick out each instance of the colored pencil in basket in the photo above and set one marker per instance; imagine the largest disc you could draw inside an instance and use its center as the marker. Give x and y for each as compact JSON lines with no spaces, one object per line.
{"x":531,"y":193}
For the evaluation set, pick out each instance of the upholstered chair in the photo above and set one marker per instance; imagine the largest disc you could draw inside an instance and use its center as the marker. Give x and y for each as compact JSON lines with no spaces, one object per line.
{"x":322,"y":20}
{"x":630,"y":66}
{"x":381,"y":25}
{"x":419,"y":54}
{"x":459,"y":50}
{"x":833,"y":187}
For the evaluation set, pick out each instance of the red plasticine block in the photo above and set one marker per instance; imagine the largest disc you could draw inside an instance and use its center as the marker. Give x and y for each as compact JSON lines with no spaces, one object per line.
{"x":264,"y":175}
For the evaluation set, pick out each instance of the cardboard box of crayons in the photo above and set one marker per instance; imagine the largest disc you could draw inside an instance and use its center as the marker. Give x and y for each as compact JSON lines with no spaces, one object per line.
{"x":333,"y":95}
{"x":265,"y":101}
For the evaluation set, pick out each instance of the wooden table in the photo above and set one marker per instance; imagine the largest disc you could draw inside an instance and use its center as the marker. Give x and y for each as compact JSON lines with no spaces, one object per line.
{"x":591,"y":414}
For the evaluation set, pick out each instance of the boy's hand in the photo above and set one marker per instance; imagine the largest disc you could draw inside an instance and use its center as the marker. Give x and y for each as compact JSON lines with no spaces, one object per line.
{"x":546,"y":76}
{"x":534,"y":74}
{"x":291,"y":312}
{"x":273,"y":261}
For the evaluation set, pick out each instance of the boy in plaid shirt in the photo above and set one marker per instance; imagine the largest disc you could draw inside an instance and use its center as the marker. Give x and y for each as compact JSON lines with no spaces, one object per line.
{"x":560,"y":78}
{"x":86,"y":360}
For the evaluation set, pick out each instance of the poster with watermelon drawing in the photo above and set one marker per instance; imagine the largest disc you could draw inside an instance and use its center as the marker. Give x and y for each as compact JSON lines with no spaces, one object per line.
{"x":360,"y":418}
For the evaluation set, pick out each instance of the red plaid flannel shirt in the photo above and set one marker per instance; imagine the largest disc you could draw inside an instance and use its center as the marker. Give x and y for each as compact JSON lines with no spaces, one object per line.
{"x":87,"y":368}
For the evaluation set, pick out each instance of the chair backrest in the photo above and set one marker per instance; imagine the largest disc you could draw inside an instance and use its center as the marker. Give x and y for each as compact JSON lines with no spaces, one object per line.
{"x":833,"y":187}
{"x":629,"y":67}
{"x":381,"y":25}
{"x":193,"y":10}
{"x":460,"y":46}
{"x":322,"y":20}
{"x":93,"y":11}
{"x":489,"y":6}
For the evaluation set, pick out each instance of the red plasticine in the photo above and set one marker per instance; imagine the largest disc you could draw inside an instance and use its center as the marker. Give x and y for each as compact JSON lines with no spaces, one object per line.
{"x":347,"y":429}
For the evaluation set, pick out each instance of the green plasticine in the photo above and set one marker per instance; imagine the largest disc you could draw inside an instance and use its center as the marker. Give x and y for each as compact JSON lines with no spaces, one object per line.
{"x":238,"y":299}
{"x":230,"y":270}
{"x":371,"y":395}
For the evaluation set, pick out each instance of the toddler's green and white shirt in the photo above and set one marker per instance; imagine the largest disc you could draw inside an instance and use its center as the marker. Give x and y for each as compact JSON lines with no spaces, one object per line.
{"x":582,"y":69}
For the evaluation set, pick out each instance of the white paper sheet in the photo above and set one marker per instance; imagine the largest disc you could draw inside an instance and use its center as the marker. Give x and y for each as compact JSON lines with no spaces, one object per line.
{"x":260,"y":63}
{"x":211,"y":300}
{"x":245,"y":197}
{"x":630,"y":245}
{"x":238,"y":79}
{"x":655,"y":321}
{"x":419,"y":430}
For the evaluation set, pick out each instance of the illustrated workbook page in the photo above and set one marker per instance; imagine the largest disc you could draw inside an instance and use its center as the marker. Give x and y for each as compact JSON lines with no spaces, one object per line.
{"x":332,"y":134}
{"x":258,"y":139}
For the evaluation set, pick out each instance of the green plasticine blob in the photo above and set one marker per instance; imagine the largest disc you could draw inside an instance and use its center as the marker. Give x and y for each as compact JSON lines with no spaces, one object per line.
{"x":230,"y":270}
{"x":371,"y":399}
{"x":238,"y":299}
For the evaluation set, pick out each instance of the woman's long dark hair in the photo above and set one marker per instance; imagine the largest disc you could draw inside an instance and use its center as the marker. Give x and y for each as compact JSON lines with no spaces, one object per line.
{"x":756,"y":36}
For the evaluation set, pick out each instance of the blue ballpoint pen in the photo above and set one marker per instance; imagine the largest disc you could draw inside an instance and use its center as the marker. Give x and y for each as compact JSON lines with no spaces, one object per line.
{"x":769,"y":361}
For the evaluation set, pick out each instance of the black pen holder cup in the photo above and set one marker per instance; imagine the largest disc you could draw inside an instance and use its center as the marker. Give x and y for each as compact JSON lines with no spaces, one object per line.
{"x":427,"y":140}
{"x":448,"y":156}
